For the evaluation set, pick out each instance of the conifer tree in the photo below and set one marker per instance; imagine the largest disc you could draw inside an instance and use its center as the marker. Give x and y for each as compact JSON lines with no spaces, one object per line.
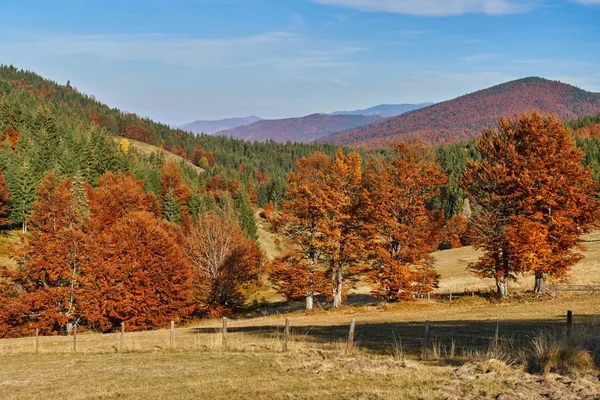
{"x":23,"y":197}
{"x":245,"y":214}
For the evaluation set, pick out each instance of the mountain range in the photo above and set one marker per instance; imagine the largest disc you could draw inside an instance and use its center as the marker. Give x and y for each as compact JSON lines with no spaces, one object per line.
{"x":301,"y":129}
{"x":466,"y":116}
{"x":211,"y":127}
{"x":304,"y":129}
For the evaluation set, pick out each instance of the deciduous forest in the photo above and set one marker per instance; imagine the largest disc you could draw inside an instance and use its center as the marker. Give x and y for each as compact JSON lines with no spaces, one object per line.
{"x":108,"y":234}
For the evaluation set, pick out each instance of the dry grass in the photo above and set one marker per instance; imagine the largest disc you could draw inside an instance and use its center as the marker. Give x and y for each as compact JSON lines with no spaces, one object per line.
{"x":455,"y":277}
{"x":7,"y":240}
{"x":216,"y":375}
{"x":147,"y":149}
{"x":557,"y":352}
{"x":384,"y":365}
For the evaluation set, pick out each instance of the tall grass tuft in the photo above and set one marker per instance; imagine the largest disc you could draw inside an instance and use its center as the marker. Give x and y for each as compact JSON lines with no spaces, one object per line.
{"x":557,"y":352}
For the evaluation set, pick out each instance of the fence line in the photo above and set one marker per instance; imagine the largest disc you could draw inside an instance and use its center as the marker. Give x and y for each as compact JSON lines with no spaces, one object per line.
{"x":281,"y":337}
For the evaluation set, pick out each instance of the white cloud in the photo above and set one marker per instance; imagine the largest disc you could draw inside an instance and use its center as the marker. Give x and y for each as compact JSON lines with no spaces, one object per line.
{"x":587,"y":2}
{"x":438,"y":7}
{"x":279,"y":50}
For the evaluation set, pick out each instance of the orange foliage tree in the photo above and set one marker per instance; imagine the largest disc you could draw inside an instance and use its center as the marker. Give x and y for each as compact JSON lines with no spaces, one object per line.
{"x":225,"y":261}
{"x":400,"y":224}
{"x":49,"y":270}
{"x":341,"y":242}
{"x":138,"y":274}
{"x":302,"y":218}
{"x":532,"y":200}
{"x":176,"y":195}
{"x":291,"y":274}
{"x":4,"y":202}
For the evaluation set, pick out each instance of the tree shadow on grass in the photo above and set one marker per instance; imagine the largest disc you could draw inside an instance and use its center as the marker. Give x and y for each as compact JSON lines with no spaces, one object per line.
{"x":408,"y":337}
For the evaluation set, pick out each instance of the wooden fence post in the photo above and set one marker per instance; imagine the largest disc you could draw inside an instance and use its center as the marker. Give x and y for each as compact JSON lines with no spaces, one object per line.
{"x":426,"y":343}
{"x":172,"y":334}
{"x":350,"y":344}
{"x":286,"y":334}
{"x":37,"y":342}
{"x":75,"y":338}
{"x":122,"y":334}
{"x":569,"y":322}
{"x":497,"y":336}
{"x":224,"y":333}
{"x":428,"y":296}
{"x":450,"y":297}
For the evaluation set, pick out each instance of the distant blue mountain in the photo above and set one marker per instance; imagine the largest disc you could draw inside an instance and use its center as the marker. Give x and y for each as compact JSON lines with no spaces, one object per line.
{"x":211,"y":127}
{"x":385,"y":110}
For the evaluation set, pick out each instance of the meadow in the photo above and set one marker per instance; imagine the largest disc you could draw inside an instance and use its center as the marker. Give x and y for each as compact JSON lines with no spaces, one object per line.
{"x":388,"y":359}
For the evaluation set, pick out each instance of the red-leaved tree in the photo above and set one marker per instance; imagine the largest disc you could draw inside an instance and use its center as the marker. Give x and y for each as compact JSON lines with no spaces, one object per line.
{"x":401,"y":226}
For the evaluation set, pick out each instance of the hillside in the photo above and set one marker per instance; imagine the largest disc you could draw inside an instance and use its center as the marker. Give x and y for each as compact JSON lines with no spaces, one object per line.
{"x":464,"y":117}
{"x":211,"y":127}
{"x":385,"y":110}
{"x":305,"y":129}
{"x":148,"y":150}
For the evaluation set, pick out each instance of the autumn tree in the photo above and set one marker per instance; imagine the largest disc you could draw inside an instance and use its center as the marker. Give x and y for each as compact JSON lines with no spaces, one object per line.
{"x":400,"y":222}
{"x":116,"y":196}
{"x":532,"y":200}
{"x":293,"y":276}
{"x":341,"y":243}
{"x":49,"y":270}
{"x":5,"y":199}
{"x":176,"y":195}
{"x":302,"y":217}
{"x":225,"y":260}
{"x":138,"y":274}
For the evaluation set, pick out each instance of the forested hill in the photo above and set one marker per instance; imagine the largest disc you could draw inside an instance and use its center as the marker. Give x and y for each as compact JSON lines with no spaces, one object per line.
{"x":464,"y":117}
{"x":305,"y":129}
{"x":45,"y":125}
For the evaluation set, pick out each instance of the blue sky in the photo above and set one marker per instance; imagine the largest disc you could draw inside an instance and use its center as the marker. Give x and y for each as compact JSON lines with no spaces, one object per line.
{"x":181,"y":60}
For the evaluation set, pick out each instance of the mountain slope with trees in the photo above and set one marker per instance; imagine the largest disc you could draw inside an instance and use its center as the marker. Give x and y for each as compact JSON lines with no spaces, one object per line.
{"x":464,"y":118}
{"x":304,"y":129}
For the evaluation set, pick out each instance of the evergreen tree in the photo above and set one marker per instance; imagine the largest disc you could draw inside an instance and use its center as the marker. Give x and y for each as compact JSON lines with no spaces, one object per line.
{"x":171,"y":208}
{"x":23,"y":197}
{"x":245,"y":214}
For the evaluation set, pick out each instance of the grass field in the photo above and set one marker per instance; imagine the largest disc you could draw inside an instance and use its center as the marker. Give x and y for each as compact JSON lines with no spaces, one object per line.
{"x":386,"y":362}
{"x":383,"y":365}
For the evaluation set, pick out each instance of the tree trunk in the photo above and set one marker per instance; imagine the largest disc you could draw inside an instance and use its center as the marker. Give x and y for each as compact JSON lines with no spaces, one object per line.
{"x":309,"y":300}
{"x":540,"y":282}
{"x":337,"y":291}
{"x":502,"y":287}
{"x":502,"y":280}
